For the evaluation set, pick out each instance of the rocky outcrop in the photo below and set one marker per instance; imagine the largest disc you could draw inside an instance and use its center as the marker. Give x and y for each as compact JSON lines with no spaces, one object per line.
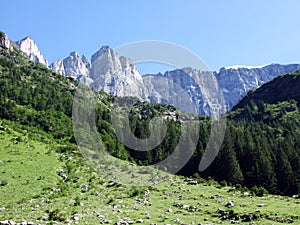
{"x":115,"y":75}
{"x":73,"y":66}
{"x":189,"y":89}
{"x":236,"y":81}
{"x":203,"y":92}
{"x":5,"y":42}
{"x":206,"y":88}
{"x":31,"y":50}
{"x":58,"y":67}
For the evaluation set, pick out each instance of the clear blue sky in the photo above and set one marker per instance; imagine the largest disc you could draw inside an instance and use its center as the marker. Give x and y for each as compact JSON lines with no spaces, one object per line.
{"x":222,"y":33}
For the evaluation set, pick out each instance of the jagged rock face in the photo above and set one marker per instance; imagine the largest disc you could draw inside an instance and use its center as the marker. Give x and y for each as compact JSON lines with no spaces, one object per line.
{"x":73,"y":66}
{"x":76,"y":66}
{"x":58,"y":67}
{"x":211,"y":93}
{"x":118,"y":76}
{"x":115,"y":75}
{"x":236,"y":82}
{"x":189,"y":89}
{"x":29,"y":47}
{"x":5,"y":42}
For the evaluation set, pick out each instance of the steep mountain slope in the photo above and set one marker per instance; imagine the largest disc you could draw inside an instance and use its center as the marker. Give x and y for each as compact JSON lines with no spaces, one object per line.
{"x":206,"y":88}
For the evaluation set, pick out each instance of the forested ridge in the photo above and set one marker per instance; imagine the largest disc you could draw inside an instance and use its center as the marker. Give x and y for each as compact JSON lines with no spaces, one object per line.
{"x":260,"y":148}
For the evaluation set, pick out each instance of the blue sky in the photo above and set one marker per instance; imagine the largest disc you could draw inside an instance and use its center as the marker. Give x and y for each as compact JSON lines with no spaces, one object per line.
{"x":222,"y":33}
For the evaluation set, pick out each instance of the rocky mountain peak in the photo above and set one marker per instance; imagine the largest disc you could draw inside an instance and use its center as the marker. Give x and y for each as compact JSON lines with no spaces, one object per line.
{"x":85,"y":60}
{"x":114,"y":74}
{"x":74,"y":54}
{"x":4,"y":41}
{"x":104,"y":52}
{"x":105,"y":49}
{"x":104,"y":61}
{"x":73,"y":66}
{"x":31,"y":50}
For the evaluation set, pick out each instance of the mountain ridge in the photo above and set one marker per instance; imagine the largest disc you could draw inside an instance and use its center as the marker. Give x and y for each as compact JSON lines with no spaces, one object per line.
{"x":117,"y":75}
{"x":280,"y":89}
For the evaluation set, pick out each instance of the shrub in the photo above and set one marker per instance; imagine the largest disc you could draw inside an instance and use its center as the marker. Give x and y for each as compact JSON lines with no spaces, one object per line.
{"x":56,"y":215}
{"x":259,"y":191}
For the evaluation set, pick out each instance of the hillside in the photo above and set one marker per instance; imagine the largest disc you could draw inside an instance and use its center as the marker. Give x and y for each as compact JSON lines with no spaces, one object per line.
{"x":275,"y":100}
{"x":49,"y":183}
{"x":282,"y":88}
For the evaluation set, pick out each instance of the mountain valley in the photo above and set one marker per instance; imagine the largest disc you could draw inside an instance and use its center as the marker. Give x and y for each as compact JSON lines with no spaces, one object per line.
{"x":45,"y":178}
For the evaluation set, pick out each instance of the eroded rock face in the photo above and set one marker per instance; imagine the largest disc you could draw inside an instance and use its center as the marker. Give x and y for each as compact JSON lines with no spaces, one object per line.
{"x":235,"y":82}
{"x":73,"y":66}
{"x":31,"y":50}
{"x":58,"y":67}
{"x":195,"y":91}
{"x":76,"y":66}
{"x":5,"y":42}
{"x":202,"y":92}
{"x":115,"y":75}
{"x":212,"y":92}
{"x":189,"y":89}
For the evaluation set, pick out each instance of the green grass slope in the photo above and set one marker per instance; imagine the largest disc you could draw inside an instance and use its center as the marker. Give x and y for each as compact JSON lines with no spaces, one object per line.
{"x":44,"y":182}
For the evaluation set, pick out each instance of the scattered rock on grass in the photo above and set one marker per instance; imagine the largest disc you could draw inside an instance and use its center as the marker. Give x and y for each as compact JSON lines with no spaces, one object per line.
{"x":76,"y":217}
{"x":229,"y":204}
{"x":193,"y":182}
{"x":2,"y":128}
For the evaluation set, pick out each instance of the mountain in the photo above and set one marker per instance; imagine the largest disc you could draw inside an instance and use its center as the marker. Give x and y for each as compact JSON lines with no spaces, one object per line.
{"x":236,"y":81}
{"x":73,"y":66}
{"x":115,"y":75}
{"x":205,"y":88}
{"x":31,"y":50}
{"x":280,"y":89}
{"x":118,"y":75}
{"x":186,"y":88}
{"x":5,"y":42}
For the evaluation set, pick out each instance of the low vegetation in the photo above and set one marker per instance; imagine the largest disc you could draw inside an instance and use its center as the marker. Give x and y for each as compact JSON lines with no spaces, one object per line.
{"x":43,"y":182}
